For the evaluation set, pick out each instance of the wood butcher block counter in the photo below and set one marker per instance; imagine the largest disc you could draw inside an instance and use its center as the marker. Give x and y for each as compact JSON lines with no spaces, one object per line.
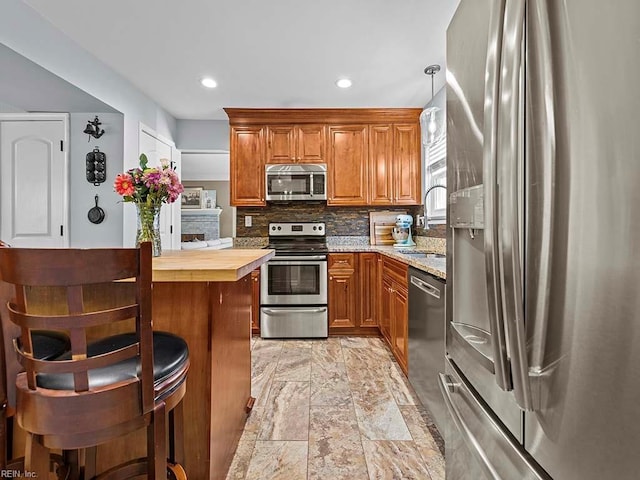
{"x":205,"y":297}
{"x":207,"y":265}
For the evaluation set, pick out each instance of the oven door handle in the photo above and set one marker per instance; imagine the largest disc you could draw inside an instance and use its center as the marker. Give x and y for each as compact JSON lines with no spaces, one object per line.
{"x":302,"y":258}
{"x":285,"y":311}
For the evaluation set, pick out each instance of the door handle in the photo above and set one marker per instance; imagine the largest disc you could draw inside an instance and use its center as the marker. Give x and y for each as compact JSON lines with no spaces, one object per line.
{"x":447,"y":388}
{"x":425,"y":287}
{"x":286,"y":311}
{"x":510,"y":146}
{"x":545,"y":123}
{"x":490,"y":180}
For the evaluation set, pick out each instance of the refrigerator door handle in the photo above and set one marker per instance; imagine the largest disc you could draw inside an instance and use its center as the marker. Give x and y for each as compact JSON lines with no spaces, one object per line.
{"x":545,"y":123}
{"x":492,"y":268}
{"x":498,"y":453}
{"x":509,"y":233}
{"x":447,"y":387}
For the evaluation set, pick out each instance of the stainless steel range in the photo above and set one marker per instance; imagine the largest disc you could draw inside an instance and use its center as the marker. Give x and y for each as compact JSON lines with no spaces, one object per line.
{"x":293,"y":291}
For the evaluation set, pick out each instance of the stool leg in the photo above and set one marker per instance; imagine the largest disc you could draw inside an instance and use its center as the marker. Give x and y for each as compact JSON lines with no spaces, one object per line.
{"x":71,"y":460}
{"x":90,"y":455}
{"x":4,"y":437}
{"x":176,"y":434}
{"x":157,"y":443}
{"x":36,"y":459}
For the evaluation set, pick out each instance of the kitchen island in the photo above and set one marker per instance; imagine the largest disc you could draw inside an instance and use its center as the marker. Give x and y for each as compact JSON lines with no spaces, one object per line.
{"x":204,"y":297}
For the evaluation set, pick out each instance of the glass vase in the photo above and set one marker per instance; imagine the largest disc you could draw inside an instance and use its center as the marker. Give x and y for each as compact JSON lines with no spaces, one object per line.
{"x":149,"y":226}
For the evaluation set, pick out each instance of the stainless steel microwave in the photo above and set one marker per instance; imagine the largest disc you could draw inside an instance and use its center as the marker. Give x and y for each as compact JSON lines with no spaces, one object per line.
{"x":296,"y":182}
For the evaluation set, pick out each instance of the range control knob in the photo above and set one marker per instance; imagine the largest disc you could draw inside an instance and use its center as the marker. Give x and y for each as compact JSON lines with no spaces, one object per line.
{"x":273,"y":227}
{"x":315,"y":228}
{"x":319,"y":227}
{"x":279,"y":228}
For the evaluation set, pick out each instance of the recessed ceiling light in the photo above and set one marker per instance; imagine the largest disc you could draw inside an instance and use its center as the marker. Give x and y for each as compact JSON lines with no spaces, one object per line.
{"x":343,"y":83}
{"x":208,"y":82}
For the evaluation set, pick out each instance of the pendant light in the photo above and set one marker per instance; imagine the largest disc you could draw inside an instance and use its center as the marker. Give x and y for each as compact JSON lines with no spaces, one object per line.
{"x":428,"y":116}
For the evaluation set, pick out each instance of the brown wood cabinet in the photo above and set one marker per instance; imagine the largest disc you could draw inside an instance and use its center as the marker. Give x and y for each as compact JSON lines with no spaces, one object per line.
{"x":353,"y":294}
{"x":368,"y":289}
{"x":394,"y":164}
{"x":247,"y":166}
{"x":372,"y":155}
{"x":406,"y":166}
{"x":347,"y":169}
{"x":255,"y":302}
{"x":296,"y":144}
{"x":400,"y":326}
{"x":386,"y":300}
{"x":381,"y":164}
{"x":342,"y":291}
{"x":394,"y":322}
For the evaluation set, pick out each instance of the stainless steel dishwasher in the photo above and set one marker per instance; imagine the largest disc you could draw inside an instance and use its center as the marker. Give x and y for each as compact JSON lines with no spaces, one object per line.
{"x":426,"y":341}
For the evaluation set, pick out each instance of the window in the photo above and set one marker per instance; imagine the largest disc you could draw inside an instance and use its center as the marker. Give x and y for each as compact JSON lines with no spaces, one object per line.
{"x":436,"y":165}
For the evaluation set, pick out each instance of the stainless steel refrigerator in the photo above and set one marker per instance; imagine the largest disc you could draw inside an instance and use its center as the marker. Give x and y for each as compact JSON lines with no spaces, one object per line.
{"x":542,"y":372}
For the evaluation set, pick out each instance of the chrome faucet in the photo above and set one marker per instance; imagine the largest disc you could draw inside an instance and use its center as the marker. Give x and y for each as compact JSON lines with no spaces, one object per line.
{"x":426,"y":214}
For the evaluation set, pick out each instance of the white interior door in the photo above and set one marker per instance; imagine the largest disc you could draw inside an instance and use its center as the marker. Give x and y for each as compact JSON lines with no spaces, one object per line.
{"x":155,"y":149}
{"x":33,"y":180}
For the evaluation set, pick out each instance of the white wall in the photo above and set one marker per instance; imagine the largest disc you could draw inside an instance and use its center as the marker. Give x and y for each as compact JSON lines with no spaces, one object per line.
{"x":83,"y":233}
{"x":7,"y":108}
{"x":26,"y":32}
{"x":202,"y":135}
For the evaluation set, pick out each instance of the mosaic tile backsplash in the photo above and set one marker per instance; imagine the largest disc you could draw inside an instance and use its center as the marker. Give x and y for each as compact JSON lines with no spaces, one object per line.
{"x":350,"y":221}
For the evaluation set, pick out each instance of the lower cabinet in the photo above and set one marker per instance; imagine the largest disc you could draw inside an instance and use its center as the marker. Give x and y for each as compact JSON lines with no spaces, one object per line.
{"x":342,"y":292}
{"x":255,"y":302}
{"x":394,"y":321}
{"x":368,"y":295}
{"x":352,"y":293}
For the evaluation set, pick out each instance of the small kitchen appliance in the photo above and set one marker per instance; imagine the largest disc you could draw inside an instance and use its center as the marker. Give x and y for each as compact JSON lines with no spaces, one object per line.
{"x":402,"y":232}
{"x":298,"y":182}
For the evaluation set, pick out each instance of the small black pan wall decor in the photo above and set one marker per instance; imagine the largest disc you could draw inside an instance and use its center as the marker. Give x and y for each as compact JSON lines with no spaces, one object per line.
{"x":96,"y":167}
{"x":96,"y":214}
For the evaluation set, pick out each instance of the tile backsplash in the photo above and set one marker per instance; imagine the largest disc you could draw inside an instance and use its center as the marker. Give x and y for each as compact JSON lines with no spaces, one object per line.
{"x":348,"y":221}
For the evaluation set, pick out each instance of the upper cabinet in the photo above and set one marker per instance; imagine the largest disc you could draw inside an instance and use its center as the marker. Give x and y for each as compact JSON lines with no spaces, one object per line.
{"x":247,"y":166}
{"x":406,"y":165}
{"x":394,"y":164}
{"x":347,"y":182}
{"x":296,"y":144}
{"x":372,"y":155}
{"x":381,"y":164}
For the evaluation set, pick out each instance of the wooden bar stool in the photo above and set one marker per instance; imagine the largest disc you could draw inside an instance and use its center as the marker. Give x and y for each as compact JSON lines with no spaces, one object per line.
{"x":98,"y":390}
{"x":46,"y":346}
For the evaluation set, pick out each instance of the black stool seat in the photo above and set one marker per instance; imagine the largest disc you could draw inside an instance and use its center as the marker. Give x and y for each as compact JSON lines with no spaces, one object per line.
{"x":48,"y":345}
{"x":170,"y":353}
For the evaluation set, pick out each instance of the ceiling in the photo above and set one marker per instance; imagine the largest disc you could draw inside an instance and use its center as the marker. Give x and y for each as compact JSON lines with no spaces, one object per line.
{"x":263,"y":54}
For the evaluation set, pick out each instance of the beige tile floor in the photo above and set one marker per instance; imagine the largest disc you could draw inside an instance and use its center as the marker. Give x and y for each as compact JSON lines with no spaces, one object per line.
{"x":334,"y":409}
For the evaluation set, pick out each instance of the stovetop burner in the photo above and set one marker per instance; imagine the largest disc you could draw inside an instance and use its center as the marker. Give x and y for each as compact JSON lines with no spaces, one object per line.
{"x":297,"y":238}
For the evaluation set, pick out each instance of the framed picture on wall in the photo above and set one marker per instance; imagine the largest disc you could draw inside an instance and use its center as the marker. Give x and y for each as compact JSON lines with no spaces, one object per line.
{"x":209,"y":199}
{"x":191,"y":197}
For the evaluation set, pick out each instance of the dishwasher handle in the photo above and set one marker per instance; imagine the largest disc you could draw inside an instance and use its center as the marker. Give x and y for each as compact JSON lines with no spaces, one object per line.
{"x":425,"y":287}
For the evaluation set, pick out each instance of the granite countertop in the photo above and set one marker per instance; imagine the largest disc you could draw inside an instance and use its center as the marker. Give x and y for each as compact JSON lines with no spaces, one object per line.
{"x":435,"y":265}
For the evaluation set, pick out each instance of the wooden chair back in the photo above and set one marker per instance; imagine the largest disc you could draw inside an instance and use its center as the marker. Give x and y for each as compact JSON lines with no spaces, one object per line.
{"x":73,"y":270}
